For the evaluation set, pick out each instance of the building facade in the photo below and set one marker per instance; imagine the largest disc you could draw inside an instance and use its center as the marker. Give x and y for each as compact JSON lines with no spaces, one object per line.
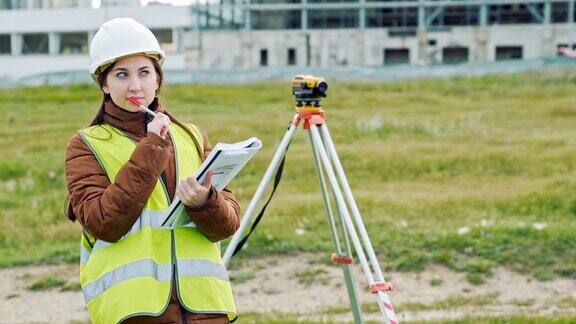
{"x":41,"y":36}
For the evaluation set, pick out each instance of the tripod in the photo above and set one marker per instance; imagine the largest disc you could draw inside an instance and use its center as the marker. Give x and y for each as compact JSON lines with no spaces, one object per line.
{"x":326,"y":160}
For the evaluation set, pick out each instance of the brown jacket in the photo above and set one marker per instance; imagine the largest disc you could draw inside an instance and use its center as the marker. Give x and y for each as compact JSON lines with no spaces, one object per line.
{"x":108,"y":210}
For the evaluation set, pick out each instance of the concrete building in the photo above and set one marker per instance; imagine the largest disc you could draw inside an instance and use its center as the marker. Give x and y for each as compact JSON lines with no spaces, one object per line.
{"x":119,"y":3}
{"x":40,"y":36}
{"x":43,"y":4}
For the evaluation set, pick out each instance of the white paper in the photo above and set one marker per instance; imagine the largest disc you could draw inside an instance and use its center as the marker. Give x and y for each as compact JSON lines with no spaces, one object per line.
{"x":225,"y":161}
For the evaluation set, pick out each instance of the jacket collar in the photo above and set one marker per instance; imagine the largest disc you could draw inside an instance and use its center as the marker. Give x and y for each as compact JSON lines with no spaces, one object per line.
{"x":131,"y":123}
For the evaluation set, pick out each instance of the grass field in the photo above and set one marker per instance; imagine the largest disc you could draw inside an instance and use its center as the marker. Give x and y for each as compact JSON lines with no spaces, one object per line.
{"x":470,"y":173}
{"x":277,"y":319}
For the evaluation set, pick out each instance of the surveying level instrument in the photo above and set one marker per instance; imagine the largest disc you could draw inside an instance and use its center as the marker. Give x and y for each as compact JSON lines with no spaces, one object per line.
{"x":308,"y":91}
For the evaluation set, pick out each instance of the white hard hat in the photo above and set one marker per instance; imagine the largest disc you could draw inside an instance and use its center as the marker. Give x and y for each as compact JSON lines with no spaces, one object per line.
{"x":121,"y":37}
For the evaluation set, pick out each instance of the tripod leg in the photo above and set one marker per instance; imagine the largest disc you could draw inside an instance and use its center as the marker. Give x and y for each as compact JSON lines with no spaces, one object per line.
{"x":333,"y":155}
{"x":350,"y":198}
{"x":346,"y":268}
{"x":344,"y":230}
{"x":329,"y":213}
{"x":280,"y":152}
{"x":384,"y":302}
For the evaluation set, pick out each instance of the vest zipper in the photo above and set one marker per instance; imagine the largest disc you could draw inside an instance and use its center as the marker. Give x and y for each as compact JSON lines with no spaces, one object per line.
{"x":175,"y":273}
{"x":184,"y":319}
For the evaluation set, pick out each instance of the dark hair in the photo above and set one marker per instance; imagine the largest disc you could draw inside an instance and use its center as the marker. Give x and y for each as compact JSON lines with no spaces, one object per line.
{"x":99,"y":117}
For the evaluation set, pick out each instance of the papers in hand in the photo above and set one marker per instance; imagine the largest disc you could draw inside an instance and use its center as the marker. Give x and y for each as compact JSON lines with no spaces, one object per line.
{"x":225,"y":161}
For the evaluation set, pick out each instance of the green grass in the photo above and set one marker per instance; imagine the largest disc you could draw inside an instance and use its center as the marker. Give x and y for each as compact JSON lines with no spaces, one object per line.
{"x":295,"y":318}
{"x":47,"y":282}
{"x":435,"y":282}
{"x":486,"y":157}
{"x":240,"y":277}
{"x":450,"y":303}
{"x":507,"y":320}
{"x":312,"y":276}
{"x":277,"y":318}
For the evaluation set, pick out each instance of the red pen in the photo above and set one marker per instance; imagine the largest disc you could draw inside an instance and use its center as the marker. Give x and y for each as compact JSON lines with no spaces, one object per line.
{"x":136,"y":102}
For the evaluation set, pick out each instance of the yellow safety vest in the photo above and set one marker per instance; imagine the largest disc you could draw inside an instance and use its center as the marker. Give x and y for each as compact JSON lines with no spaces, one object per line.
{"x":133,"y":276}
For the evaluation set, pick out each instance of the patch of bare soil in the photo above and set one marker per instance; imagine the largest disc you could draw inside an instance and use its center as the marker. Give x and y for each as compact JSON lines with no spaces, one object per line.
{"x":307,"y":286}
{"x":18,"y":304}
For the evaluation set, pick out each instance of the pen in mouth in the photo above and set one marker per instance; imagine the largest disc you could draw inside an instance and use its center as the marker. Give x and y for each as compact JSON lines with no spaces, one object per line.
{"x":136,"y":102}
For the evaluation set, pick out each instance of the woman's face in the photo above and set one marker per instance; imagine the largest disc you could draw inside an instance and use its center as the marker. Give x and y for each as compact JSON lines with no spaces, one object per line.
{"x":132,"y":76}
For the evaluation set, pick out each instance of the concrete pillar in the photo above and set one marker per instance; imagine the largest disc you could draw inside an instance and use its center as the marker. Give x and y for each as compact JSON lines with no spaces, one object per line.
{"x":53,"y":43}
{"x":547,"y":12}
{"x":421,"y":14}
{"x":308,"y":48}
{"x":422,"y":58}
{"x":304,"y":16}
{"x":360,"y":55}
{"x":194,"y":59}
{"x":422,"y":35}
{"x":571,"y":11}
{"x":324,"y":50}
{"x":177,"y":39}
{"x":548,"y":48}
{"x":484,"y":14}
{"x":362,"y":15}
{"x":480,"y":53}
{"x":247,"y":50}
{"x":247,"y":16}
{"x":16,"y":43}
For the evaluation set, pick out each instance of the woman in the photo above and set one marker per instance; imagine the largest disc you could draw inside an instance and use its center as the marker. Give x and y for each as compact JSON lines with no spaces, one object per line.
{"x":122,"y":172}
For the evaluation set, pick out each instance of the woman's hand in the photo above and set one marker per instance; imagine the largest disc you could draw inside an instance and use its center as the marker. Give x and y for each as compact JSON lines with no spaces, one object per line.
{"x":194,"y":194}
{"x":159,"y":125}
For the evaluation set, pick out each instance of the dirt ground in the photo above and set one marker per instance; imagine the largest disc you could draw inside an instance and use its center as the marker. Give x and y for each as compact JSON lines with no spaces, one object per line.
{"x":305,"y":285}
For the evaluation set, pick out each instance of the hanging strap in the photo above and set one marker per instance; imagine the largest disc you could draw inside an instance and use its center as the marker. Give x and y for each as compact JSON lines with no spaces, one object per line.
{"x":87,"y":238}
{"x":259,"y":217}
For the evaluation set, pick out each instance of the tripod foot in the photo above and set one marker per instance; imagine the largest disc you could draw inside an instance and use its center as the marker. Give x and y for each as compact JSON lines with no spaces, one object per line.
{"x":381,"y":286}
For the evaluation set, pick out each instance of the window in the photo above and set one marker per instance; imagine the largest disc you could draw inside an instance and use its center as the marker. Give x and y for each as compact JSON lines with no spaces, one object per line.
{"x":328,"y":1}
{"x":454,"y":16}
{"x":5,"y":4}
{"x":508,"y":53}
{"x":285,"y":19}
{"x":263,"y":57}
{"x":35,"y":44}
{"x":165,"y":40}
{"x":454,"y":55}
{"x":396,"y":56}
{"x":273,"y":1}
{"x":291,"y":56}
{"x":73,"y":43}
{"x":5,"y":46}
{"x":333,"y":18}
{"x":392,"y":17}
{"x":515,"y":13}
{"x":559,"y":12}
{"x":32,"y":4}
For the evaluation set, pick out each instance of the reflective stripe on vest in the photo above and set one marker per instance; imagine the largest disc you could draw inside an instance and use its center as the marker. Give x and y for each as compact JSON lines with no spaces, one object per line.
{"x":133,"y":275}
